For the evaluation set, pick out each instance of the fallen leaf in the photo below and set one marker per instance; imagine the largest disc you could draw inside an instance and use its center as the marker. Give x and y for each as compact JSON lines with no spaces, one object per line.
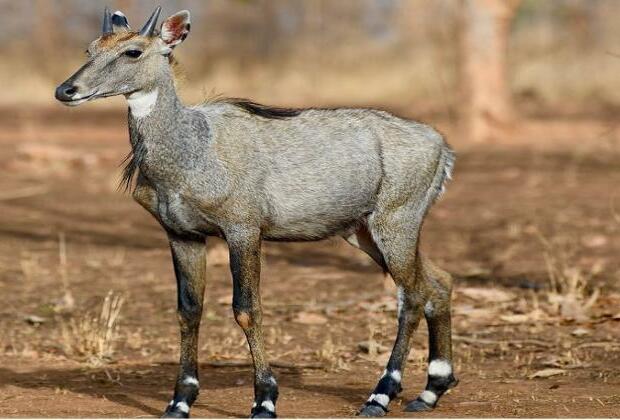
{"x":309,"y":318}
{"x":34,"y":319}
{"x":371,"y":347}
{"x":534,"y":315}
{"x":546,"y":373}
{"x":551,"y":361}
{"x":384,"y":304}
{"x":580,"y":332}
{"x":225,"y":300}
{"x":515,"y":318}
{"x":594,"y":241}
{"x":471,"y":312}
{"x":486,"y":294}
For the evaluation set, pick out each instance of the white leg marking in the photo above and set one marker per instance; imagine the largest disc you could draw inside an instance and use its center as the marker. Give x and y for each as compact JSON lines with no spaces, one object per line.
{"x":439,"y":368}
{"x":273,"y":380}
{"x":254,"y":404}
{"x":395,"y":374}
{"x":142,"y":103}
{"x":268,"y":405}
{"x":372,"y":397}
{"x":171,"y":403}
{"x":429,"y":308}
{"x":382,"y":399}
{"x":429,"y":397}
{"x":190,"y":380}
{"x":182,"y":407}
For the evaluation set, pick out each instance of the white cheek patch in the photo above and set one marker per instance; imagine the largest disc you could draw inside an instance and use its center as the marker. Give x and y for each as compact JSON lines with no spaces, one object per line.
{"x":190,"y":380}
{"x":142,"y":103}
{"x":182,"y":407}
{"x":268,"y":405}
{"x":439,"y":368}
{"x":429,"y":397}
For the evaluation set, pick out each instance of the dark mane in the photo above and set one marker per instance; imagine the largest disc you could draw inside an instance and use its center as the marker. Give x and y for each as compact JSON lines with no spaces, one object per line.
{"x":132,"y":163}
{"x":264,"y":111}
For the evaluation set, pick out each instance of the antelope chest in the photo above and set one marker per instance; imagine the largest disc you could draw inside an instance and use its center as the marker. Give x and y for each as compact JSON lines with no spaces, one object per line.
{"x":177,"y":213}
{"x":174,"y":211}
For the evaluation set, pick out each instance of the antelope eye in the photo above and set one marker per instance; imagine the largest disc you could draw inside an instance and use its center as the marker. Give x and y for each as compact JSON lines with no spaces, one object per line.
{"x":133,"y":53}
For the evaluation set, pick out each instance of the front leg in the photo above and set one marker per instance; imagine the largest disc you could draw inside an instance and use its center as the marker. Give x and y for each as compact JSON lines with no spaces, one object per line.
{"x":189,"y":258}
{"x":244,"y":245}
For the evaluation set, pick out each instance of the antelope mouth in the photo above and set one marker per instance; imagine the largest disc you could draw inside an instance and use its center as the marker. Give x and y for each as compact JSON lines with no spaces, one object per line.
{"x":79,"y":99}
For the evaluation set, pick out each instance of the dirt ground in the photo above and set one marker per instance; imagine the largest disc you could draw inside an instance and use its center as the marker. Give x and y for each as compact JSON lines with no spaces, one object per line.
{"x":543,"y":207}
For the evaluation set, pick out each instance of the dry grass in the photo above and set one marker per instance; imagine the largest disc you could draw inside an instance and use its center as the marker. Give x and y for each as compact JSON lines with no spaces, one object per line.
{"x":571,"y":293}
{"x":93,"y":337}
{"x":331,"y":355}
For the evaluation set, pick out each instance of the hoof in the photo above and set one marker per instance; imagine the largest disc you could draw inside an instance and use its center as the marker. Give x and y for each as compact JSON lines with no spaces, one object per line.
{"x":263,"y":414}
{"x":372,"y":411}
{"x":175,"y":414}
{"x":172,"y":412}
{"x":418,"y":405}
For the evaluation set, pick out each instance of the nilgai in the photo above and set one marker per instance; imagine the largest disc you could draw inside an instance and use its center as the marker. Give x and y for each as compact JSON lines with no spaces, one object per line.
{"x":246,"y":173}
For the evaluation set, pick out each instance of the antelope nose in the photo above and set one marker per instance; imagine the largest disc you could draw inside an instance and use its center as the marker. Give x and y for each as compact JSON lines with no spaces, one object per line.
{"x":65,"y":92}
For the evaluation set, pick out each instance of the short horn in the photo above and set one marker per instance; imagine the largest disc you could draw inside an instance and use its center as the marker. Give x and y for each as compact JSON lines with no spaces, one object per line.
{"x":107,"y":22}
{"x":149,"y":26}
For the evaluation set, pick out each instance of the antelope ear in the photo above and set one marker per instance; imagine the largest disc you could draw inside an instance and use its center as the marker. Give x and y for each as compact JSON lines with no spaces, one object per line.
{"x":175,"y":29}
{"x":119,"y":22}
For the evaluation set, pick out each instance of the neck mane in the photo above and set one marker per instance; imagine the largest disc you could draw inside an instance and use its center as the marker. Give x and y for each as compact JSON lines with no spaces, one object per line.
{"x":152,"y":112}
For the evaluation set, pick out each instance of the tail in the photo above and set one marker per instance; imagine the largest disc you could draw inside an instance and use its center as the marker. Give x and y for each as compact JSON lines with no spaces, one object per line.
{"x":444,"y":169}
{"x":443,"y":173}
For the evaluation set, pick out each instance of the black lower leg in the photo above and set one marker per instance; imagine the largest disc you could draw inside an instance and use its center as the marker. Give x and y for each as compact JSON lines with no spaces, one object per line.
{"x":189,"y":265}
{"x":389,"y":385}
{"x":265,"y":384}
{"x":265,"y":395}
{"x":440,"y":371}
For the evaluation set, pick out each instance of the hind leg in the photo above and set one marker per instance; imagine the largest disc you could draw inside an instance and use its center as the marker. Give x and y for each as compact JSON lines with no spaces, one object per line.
{"x":398,"y":244}
{"x":437,"y":313}
{"x":362,"y":240}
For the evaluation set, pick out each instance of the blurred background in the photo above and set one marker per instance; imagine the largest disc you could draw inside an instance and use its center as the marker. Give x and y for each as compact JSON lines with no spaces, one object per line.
{"x":527,"y":93}
{"x":540,"y":58}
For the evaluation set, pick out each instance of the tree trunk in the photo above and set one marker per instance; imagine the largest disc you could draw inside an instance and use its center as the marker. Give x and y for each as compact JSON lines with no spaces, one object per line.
{"x":488,"y":107}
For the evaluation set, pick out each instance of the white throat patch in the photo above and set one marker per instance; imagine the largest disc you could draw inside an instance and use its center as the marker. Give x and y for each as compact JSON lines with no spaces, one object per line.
{"x":142,"y":103}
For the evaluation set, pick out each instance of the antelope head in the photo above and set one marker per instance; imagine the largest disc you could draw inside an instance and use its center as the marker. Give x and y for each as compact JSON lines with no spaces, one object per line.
{"x":125,"y":62}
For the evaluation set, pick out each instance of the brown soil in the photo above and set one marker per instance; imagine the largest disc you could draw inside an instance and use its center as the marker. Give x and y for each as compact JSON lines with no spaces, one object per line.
{"x":61,"y":178}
